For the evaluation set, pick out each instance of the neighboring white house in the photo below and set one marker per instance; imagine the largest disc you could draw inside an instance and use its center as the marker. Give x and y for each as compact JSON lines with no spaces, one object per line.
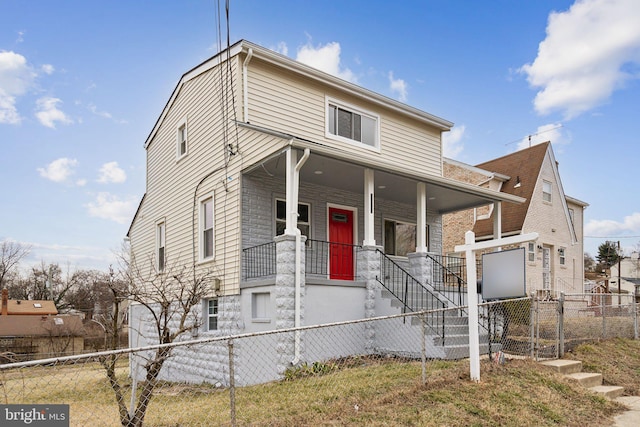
{"x":555,"y":263}
{"x":629,"y":275}
{"x":253,"y":146}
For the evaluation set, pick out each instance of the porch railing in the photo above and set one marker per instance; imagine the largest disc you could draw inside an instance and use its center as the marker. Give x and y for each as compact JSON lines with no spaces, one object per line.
{"x":449,"y":275}
{"x":411,"y":293}
{"x":260,"y":261}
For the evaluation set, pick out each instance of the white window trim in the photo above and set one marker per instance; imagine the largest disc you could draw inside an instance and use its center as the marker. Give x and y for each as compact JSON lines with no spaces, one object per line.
{"x":562,"y":257}
{"x":531,"y":246}
{"x":182,"y":123}
{"x":201,"y":218}
{"x":159,"y":223}
{"x":375,"y":147}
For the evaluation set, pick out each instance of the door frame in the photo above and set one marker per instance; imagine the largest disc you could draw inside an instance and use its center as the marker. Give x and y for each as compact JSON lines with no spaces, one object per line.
{"x":354,"y":212}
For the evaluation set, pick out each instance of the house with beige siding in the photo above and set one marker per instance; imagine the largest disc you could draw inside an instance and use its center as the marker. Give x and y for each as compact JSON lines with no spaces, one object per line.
{"x":555,"y":263}
{"x":299,"y":193}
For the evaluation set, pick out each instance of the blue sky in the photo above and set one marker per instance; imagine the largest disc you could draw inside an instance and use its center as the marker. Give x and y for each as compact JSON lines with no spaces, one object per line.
{"x":82,"y":83}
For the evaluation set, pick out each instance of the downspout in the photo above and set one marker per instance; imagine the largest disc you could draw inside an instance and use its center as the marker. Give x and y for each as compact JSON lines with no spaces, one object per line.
{"x":245,"y":85}
{"x":296,"y":184}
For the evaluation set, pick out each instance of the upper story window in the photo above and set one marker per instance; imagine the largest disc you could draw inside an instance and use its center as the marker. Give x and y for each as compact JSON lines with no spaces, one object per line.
{"x":546,"y":191}
{"x":182,"y":139}
{"x":347,"y":122}
{"x":160,"y":244}
{"x":206,"y":228}
{"x":304,"y":222}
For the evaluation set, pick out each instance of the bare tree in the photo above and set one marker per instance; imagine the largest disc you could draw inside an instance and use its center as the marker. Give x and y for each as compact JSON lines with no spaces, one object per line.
{"x":170,"y":297}
{"x":11,"y":253}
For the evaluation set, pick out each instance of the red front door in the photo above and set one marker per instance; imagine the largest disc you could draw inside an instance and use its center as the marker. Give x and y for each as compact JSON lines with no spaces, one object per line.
{"x":341,"y":244}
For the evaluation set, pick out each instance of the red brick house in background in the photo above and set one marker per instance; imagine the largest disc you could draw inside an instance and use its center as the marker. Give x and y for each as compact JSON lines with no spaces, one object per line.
{"x":34,"y":329}
{"x":555,"y":262}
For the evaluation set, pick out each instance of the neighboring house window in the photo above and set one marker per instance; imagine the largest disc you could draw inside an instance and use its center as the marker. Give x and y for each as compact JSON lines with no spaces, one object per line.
{"x":160,"y":245}
{"x":304,"y":223}
{"x":182,"y":138}
{"x":206,"y":228}
{"x":561,"y":253}
{"x":546,"y":191}
{"x":212,"y":314}
{"x":260,"y":306}
{"x":400,"y":237}
{"x":531,"y":252}
{"x":352,"y":124}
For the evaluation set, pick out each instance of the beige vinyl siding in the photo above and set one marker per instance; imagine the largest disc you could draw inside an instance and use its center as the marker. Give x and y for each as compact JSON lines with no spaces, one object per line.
{"x":171,"y":184}
{"x":283,"y":101}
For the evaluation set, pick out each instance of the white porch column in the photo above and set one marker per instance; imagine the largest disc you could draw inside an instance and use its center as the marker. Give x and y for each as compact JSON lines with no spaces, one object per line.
{"x":292,"y":202}
{"x":369,"y":218}
{"x":421,"y":218}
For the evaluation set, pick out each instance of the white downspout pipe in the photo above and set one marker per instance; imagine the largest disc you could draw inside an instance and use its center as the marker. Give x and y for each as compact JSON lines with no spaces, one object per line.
{"x":296,"y":184}
{"x":245,"y":85}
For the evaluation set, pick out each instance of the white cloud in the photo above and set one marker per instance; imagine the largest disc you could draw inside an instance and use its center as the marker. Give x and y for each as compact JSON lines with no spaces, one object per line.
{"x":48,"y":113}
{"x":111,"y":207}
{"x":97,"y":112}
{"x":16,"y":77}
{"x":325,"y":58}
{"x":452,"y":141}
{"x":549,"y":132}
{"x":59,"y":170}
{"x":582,"y":60}
{"x":281,"y":48}
{"x":112,"y":173}
{"x":608,"y":227}
{"x":47,"y":69}
{"x":398,"y":86}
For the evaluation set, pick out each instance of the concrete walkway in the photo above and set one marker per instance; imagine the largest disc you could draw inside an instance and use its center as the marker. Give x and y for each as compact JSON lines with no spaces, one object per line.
{"x":630,"y":418}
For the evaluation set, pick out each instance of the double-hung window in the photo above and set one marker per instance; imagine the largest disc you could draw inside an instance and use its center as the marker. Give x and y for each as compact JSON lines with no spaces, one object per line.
{"x":206,"y":228}
{"x":546,"y":191}
{"x":531,"y":252}
{"x":346,"y":122}
{"x":160,"y":245}
{"x":562,"y":256}
{"x":182,"y":139}
{"x":212,"y":314}
{"x":304,"y":224}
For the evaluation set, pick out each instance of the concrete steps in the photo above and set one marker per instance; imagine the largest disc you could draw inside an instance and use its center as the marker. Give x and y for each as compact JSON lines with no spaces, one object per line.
{"x":572,"y":369}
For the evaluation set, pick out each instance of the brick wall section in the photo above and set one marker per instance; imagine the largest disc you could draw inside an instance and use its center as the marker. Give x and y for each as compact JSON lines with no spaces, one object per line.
{"x":454,"y":225}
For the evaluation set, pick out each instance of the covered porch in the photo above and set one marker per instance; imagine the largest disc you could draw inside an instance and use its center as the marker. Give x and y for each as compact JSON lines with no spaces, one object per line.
{"x":340,"y":208}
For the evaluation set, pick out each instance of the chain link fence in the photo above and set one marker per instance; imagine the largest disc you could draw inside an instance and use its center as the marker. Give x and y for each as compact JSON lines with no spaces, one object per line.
{"x":299,"y":374}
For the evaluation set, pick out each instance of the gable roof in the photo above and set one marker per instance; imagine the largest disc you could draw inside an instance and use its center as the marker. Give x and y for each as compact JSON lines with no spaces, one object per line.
{"x":523,"y":168}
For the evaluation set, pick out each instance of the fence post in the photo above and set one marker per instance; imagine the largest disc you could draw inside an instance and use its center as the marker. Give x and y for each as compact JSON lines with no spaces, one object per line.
{"x":532,"y":322}
{"x":423,"y":339}
{"x":603,"y":305}
{"x":634,"y":307}
{"x":561,"y":325}
{"x":232,"y":386}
